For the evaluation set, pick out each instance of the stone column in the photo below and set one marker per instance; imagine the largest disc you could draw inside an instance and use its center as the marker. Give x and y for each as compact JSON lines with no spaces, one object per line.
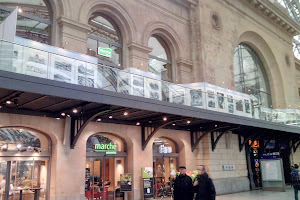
{"x":138,"y":56}
{"x":184,"y":71}
{"x":73,"y":35}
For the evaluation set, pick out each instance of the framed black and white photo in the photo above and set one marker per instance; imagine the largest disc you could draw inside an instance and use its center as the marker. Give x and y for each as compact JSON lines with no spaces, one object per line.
{"x":36,"y":63}
{"x":62,"y":69}
{"x":153,"y":89}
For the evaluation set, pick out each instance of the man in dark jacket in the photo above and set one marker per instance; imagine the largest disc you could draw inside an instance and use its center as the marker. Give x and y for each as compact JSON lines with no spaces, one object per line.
{"x":204,"y":186}
{"x":183,"y":186}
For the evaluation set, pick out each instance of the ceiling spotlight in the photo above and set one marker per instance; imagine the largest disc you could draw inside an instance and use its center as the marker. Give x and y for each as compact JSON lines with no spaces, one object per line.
{"x":150,"y":122}
{"x":125,"y":113}
{"x":165,"y":118}
{"x":20,"y":10}
{"x":58,"y":118}
{"x":4,"y":146}
{"x":63,"y":114}
{"x":1,"y":107}
{"x":75,"y":110}
{"x":138,"y":123}
{"x":188,"y":122}
{"x":110,"y":117}
{"x":216,"y":125}
{"x":68,"y":115}
{"x":99,"y":120}
{"x":19,"y":146}
{"x":8,"y":102}
{"x":173,"y":124}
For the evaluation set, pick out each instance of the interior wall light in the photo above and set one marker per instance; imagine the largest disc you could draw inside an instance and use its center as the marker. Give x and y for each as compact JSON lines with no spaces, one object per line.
{"x":125,"y":113}
{"x":110,"y":117}
{"x":165,"y":118}
{"x":75,"y":110}
{"x":138,"y":123}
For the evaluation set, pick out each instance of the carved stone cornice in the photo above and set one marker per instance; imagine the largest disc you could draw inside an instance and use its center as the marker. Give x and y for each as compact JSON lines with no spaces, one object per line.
{"x":277,"y":14}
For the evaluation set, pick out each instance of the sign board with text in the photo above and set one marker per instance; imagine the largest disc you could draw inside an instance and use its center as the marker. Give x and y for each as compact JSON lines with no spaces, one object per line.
{"x":147,"y":174}
{"x":110,"y":148}
{"x":126,"y":182}
{"x":106,"y":51}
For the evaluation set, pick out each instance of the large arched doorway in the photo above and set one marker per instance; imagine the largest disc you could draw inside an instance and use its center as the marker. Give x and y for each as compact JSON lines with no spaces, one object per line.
{"x":34,"y":18}
{"x":106,"y":160}
{"x":24,"y":164}
{"x":165,"y":164}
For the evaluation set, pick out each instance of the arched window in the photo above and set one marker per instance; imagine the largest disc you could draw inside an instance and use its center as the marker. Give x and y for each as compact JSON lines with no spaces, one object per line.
{"x":26,"y":155}
{"x":160,"y":58}
{"x":34,"y":18}
{"x":250,"y":76}
{"x":104,"y":40}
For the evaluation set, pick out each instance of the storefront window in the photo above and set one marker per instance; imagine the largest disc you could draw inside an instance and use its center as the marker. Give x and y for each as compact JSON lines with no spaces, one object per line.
{"x":34,"y":18}
{"x":104,"y":40}
{"x":106,"y":157}
{"x":250,"y":76}
{"x":160,"y":58}
{"x":24,"y":163}
{"x":164,"y":165}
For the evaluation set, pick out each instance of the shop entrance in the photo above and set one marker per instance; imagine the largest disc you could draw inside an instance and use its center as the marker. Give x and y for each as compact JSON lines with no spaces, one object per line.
{"x":165,"y":159}
{"x":24,"y":164}
{"x":106,"y":161}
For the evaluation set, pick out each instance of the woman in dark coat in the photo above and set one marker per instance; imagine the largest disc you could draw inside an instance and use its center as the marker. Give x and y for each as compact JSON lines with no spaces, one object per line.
{"x":204,"y":186}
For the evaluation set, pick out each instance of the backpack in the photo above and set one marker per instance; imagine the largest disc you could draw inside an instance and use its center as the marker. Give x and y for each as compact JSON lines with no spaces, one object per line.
{"x":295,"y":177}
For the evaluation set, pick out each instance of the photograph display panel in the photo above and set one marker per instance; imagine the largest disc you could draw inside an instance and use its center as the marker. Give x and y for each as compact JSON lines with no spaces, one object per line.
{"x":153,"y":89}
{"x":35,"y":62}
{"x":138,"y":85}
{"x":230,"y":104}
{"x":86,"y":74}
{"x":124,"y":82}
{"x":177,"y":94}
{"x":62,"y":69}
{"x":239,"y":105}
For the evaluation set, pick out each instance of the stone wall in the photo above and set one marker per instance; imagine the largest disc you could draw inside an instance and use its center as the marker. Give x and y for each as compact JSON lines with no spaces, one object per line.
{"x":226,"y":153}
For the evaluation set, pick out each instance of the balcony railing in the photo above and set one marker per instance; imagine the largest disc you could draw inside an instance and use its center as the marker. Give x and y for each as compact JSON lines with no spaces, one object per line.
{"x":43,"y":61}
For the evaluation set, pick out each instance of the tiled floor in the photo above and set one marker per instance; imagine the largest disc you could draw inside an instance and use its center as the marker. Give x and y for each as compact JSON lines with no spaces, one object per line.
{"x":257,"y":195}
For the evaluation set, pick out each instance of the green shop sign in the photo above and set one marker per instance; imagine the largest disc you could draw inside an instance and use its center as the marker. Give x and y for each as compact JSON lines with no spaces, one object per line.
{"x":107,"y":148}
{"x":107,"y":52}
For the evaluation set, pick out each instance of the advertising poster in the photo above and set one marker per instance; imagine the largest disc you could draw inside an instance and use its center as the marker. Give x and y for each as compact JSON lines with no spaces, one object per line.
{"x":62,"y":69}
{"x":35,"y":63}
{"x":147,"y":175}
{"x":196,"y":98}
{"x":239,"y":104}
{"x":126,"y":182}
{"x":153,"y":89}
{"x":248,"y":107}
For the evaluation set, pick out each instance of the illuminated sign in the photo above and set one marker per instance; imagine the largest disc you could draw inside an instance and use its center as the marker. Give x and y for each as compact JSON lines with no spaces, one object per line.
{"x":110,"y":148}
{"x":255,"y":143}
{"x":107,"y":52}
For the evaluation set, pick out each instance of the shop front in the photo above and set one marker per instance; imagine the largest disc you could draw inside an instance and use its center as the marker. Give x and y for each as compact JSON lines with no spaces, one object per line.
{"x":106,"y":162}
{"x":24,"y":164}
{"x":165,"y":164}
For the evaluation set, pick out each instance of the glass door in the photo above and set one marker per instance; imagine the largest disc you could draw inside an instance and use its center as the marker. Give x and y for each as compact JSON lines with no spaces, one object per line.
{"x":3,"y":174}
{"x":164,"y":169}
{"x":102,"y":178}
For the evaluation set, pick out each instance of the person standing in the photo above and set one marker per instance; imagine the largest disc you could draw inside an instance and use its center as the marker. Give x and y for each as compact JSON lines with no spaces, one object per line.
{"x":204,"y":186}
{"x":183,"y":186}
{"x":295,"y":180}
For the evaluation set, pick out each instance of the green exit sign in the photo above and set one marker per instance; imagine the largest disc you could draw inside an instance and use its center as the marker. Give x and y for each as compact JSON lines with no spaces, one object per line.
{"x":107,"y":52}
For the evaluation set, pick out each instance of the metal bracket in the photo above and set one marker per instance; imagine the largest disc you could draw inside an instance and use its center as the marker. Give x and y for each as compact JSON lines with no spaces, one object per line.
{"x":269,"y":140}
{"x":287,"y":140}
{"x":80,"y":122}
{"x":221,"y":133}
{"x":242,"y":144}
{"x":197,"y":136}
{"x":149,"y":132}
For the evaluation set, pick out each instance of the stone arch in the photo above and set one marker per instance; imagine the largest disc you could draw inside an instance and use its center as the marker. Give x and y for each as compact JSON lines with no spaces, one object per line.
{"x":167,"y":33}
{"x":266,"y":55}
{"x":115,"y":11}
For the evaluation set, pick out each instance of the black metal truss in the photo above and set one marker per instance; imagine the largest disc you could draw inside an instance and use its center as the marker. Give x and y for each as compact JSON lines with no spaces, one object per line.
{"x":220,"y":133}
